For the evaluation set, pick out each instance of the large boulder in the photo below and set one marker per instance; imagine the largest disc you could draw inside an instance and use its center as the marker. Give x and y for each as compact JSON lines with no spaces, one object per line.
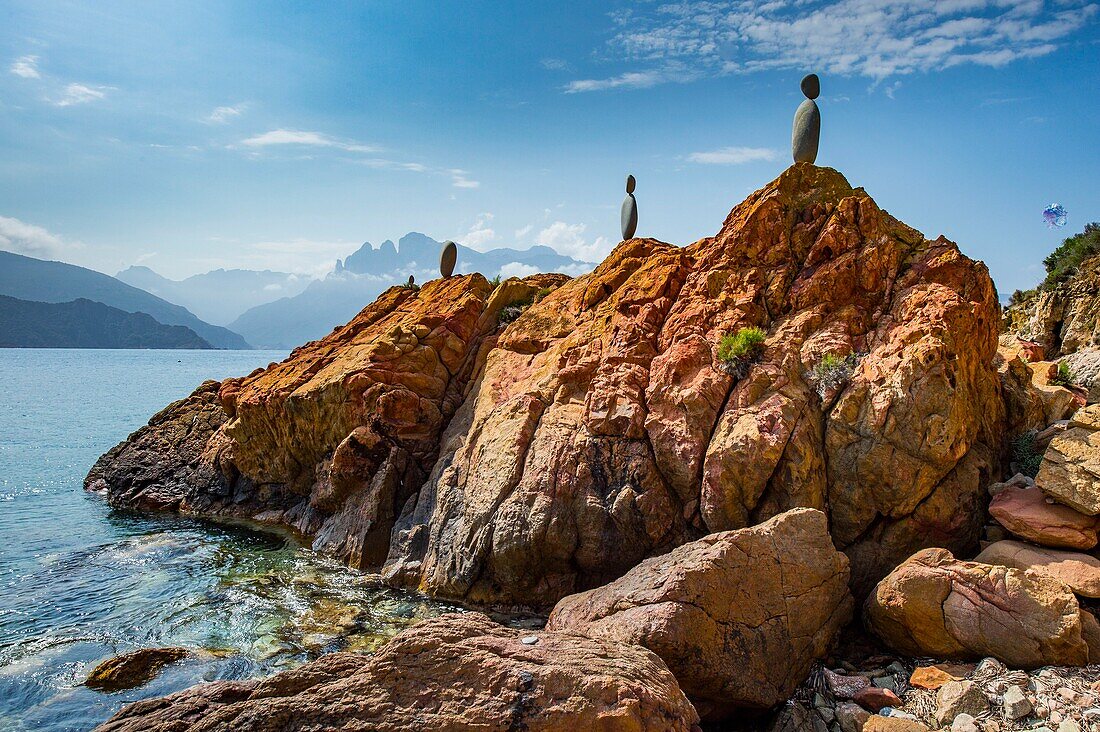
{"x":604,"y":428}
{"x":935,"y":605}
{"x":1080,"y":572}
{"x":455,"y":672}
{"x":1030,"y":514}
{"x":1070,"y":471}
{"x":738,"y":616}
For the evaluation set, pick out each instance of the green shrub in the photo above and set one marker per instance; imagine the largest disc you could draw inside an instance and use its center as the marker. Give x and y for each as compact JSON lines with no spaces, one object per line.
{"x":833,"y":371}
{"x":1062,"y":263}
{"x":541,"y":293}
{"x":1024,"y":455}
{"x":409,"y":286}
{"x":737,"y":351}
{"x":495,"y":282}
{"x":1064,"y":376}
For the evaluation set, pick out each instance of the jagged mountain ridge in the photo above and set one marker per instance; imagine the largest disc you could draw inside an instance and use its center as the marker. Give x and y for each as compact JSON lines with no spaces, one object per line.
{"x":366,"y":273}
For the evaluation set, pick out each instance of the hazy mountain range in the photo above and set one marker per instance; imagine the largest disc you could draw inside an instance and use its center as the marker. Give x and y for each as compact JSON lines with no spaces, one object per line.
{"x":261,"y":309}
{"x":37,"y":280}
{"x":221,"y":295}
{"x":83,"y":323}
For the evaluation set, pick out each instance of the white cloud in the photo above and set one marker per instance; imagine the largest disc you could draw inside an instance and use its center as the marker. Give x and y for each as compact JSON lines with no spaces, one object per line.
{"x":569,"y":239}
{"x":522,"y":233}
{"x":553,"y":64}
{"x":26,"y":67}
{"x":304,"y":137}
{"x":633,"y":80}
{"x":80,"y":94}
{"x":480,"y":233}
{"x":34,"y":241}
{"x":222,"y":115}
{"x":873,"y":38}
{"x":733,"y":155}
{"x":460,"y":179}
{"x":517,"y":269}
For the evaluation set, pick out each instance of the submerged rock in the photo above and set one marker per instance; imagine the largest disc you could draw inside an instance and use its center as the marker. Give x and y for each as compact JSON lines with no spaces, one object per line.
{"x":935,"y":605}
{"x":738,"y":616}
{"x":133,"y":669}
{"x":459,"y":671}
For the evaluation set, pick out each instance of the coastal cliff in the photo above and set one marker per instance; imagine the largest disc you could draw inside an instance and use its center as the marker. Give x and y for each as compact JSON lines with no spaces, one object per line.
{"x":711,"y":455}
{"x":519,"y":464}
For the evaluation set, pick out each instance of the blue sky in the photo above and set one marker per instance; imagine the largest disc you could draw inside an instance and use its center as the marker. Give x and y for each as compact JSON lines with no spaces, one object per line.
{"x":188,"y":136}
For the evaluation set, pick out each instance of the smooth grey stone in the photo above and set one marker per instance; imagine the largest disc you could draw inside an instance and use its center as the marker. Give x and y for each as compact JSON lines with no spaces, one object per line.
{"x":629,"y":217}
{"x":811,"y":86}
{"x":448,"y":258}
{"x":630,"y":183}
{"x":806,"y":132}
{"x":412,"y":280}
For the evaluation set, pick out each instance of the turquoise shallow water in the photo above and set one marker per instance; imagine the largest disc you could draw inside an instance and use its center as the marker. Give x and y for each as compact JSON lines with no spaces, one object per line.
{"x":80,"y":583}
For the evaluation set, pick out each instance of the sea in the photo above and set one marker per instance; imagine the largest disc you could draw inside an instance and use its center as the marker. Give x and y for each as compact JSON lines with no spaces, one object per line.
{"x":81,"y":583}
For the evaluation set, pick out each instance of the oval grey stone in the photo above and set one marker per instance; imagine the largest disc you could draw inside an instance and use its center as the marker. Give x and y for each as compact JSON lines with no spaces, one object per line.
{"x":806,"y":132}
{"x":811,"y":86}
{"x":630,"y":183}
{"x":448,"y":258}
{"x":629,"y":216}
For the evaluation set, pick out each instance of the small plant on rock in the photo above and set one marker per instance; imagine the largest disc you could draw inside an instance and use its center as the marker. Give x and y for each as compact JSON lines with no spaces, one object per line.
{"x":1025,"y":457}
{"x":495,"y":282}
{"x":738,"y":351}
{"x":409,"y":285}
{"x":1064,"y":376}
{"x":832,"y":372}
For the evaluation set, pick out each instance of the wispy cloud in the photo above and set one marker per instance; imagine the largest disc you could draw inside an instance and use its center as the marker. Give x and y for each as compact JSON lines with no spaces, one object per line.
{"x":26,"y":67}
{"x":74,"y":94}
{"x":222,"y":115}
{"x":34,"y":241}
{"x":554,"y":64}
{"x":733,"y":155}
{"x":460,"y":179}
{"x":871,"y":38}
{"x":306,"y":138}
{"x":634,"y":80}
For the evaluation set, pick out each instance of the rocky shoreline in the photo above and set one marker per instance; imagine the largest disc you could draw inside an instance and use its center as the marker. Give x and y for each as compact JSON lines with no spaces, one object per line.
{"x":706,"y":536}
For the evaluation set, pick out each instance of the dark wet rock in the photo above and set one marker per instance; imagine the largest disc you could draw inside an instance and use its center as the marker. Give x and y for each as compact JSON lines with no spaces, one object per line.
{"x":133,"y":669}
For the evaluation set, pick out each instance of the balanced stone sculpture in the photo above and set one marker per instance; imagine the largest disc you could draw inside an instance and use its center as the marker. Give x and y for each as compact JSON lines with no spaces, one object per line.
{"x":807,"y":123}
{"x":412,"y":281}
{"x":629,"y":216}
{"x":448,"y":258}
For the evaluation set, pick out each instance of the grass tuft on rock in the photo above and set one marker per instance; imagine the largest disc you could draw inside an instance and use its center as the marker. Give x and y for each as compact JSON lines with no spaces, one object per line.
{"x":738,"y":351}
